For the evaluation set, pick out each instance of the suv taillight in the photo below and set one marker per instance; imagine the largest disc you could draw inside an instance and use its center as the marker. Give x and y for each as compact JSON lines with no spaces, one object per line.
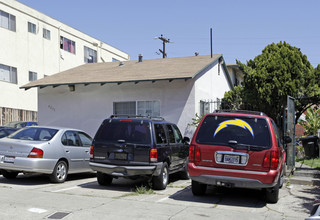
{"x":153,"y":155}
{"x":91,"y":151}
{"x":36,"y":153}
{"x":194,"y":153}
{"x":271,"y":160}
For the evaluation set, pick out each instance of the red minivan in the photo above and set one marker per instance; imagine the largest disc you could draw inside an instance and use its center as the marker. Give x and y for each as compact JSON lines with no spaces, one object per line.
{"x":237,"y":149}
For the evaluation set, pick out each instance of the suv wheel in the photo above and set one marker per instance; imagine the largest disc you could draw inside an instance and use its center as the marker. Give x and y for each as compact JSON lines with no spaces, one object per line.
{"x":161,"y":181}
{"x":198,"y":189}
{"x":272,"y":194}
{"x":104,"y":179}
{"x":185,"y":174}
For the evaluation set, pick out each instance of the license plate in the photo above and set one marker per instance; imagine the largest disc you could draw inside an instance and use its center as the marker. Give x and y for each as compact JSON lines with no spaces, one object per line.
{"x":233,"y":159}
{"x":121,"y":156}
{"x":7,"y":159}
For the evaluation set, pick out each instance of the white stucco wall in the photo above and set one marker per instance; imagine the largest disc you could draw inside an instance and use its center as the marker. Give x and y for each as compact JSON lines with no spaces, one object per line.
{"x":211,"y":85}
{"x":87,"y":106}
{"x":31,"y":52}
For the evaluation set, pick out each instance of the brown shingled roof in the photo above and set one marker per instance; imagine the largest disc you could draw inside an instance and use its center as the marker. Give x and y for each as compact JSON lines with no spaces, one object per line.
{"x":129,"y":71}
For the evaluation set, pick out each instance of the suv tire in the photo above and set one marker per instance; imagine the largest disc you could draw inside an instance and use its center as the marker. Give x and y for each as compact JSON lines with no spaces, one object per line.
{"x":104,"y":179}
{"x":160,"y":182}
{"x":198,"y":189}
{"x":185,"y":174}
{"x":272,"y":194}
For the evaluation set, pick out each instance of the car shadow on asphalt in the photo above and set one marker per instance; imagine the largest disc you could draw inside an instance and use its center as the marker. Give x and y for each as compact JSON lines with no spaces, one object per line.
{"x":126,"y":185}
{"x":41,"y":179}
{"x":224,"y":196}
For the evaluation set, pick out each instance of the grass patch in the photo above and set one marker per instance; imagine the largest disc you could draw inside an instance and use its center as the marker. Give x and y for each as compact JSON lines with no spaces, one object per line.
{"x":314,"y":163}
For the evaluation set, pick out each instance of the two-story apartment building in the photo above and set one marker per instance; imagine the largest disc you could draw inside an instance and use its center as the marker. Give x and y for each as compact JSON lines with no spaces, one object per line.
{"x":33,"y":46}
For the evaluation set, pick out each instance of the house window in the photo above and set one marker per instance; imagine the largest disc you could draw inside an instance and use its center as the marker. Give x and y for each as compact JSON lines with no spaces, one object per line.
{"x":8,"y":74}
{"x":124,"y":108}
{"x":33,"y":76}
{"x":32,"y":28}
{"x":67,"y":45}
{"x":90,"y":55}
{"x":7,"y":21}
{"x":46,"y":34}
{"x":150,"y":108}
{"x":144,"y":108}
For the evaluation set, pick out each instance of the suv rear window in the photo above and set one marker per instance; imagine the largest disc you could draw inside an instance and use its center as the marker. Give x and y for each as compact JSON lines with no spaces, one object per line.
{"x":220,"y":130}
{"x":130,"y":131}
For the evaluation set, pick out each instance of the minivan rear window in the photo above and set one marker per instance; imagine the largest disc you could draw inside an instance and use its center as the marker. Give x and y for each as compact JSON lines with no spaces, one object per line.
{"x":223,"y":130}
{"x":135,"y":132}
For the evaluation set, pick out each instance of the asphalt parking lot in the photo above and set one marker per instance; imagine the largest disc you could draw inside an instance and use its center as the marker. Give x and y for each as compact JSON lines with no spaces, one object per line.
{"x":81,"y":197}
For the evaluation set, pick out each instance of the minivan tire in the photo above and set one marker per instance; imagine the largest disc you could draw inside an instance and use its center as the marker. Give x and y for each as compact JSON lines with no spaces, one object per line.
{"x":160,"y":182}
{"x":198,"y":189}
{"x":104,"y":179}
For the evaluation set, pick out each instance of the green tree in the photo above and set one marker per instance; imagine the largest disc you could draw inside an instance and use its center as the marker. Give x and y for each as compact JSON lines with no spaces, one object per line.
{"x":312,"y":122}
{"x":280,"y":70}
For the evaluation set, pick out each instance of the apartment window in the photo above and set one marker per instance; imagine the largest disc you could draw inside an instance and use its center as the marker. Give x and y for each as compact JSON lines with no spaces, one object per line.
{"x":8,"y":74}
{"x":32,"y":28}
{"x":46,"y":34}
{"x":7,"y":21}
{"x":33,"y":76}
{"x":90,"y":55}
{"x":67,"y":45}
{"x":145,"y":108}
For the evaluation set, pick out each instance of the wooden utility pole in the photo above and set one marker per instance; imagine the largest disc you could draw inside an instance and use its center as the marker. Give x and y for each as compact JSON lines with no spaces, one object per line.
{"x":164,"y":41}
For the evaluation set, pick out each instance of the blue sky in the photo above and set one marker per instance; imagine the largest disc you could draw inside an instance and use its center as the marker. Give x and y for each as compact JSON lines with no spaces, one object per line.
{"x":241,"y":28}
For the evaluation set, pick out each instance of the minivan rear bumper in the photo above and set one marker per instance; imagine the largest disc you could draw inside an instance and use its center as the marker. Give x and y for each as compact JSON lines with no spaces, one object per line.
{"x":233,"y":178}
{"x":127,"y":171}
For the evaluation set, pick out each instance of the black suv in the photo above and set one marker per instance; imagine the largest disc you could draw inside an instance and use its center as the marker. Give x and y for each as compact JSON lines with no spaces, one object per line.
{"x":135,"y":146}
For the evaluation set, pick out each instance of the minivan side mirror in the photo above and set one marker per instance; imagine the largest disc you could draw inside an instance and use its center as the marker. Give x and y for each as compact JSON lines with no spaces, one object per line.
{"x":287,"y":139}
{"x":186,"y":140}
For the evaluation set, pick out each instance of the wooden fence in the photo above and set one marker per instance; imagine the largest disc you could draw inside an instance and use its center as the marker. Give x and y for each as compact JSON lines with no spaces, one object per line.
{"x":9,"y":114}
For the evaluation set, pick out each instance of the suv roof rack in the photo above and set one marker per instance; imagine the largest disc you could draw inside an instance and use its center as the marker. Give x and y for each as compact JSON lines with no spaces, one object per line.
{"x":241,"y":111}
{"x":138,"y":116}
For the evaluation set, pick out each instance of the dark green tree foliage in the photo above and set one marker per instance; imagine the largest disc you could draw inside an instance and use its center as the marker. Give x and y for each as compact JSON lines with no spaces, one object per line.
{"x":280,"y":70}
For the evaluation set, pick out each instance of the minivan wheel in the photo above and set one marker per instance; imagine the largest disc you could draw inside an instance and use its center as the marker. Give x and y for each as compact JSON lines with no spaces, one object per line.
{"x":9,"y":175}
{"x":160,"y":182}
{"x":272,"y":194}
{"x":60,"y":172}
{"x":104,"y":179}
{"x":198,"y":189}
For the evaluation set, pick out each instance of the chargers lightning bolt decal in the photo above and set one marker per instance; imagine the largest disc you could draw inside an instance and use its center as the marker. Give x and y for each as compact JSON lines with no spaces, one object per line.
{"x":236,"y":122}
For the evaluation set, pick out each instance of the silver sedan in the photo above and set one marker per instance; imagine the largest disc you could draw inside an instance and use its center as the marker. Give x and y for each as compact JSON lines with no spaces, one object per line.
{"x":48,"y":150}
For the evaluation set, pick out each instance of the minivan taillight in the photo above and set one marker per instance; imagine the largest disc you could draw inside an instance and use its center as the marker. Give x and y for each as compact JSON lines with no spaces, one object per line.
{"x":153,"y":155}
{"x":271,"y":160}
{"x":194,"y":153}
{"x":91,"y":151}
{"x":36,"y":153}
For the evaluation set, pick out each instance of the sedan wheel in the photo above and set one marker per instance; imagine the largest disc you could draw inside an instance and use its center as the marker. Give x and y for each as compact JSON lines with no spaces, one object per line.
{"x":60,"y":172}
{"x":9,"y":175}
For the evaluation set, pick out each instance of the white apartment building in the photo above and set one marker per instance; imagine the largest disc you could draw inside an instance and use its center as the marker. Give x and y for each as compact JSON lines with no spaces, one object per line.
{"x":34,"y":45}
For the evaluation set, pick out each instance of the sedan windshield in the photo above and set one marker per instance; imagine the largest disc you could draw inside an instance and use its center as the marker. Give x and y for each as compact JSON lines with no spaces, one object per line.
{"x":34,"y":134}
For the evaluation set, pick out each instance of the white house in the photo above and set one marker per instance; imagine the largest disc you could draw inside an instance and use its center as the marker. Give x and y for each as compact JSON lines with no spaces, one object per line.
{"x":34,"y":45}
{"x":172,"y":88}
